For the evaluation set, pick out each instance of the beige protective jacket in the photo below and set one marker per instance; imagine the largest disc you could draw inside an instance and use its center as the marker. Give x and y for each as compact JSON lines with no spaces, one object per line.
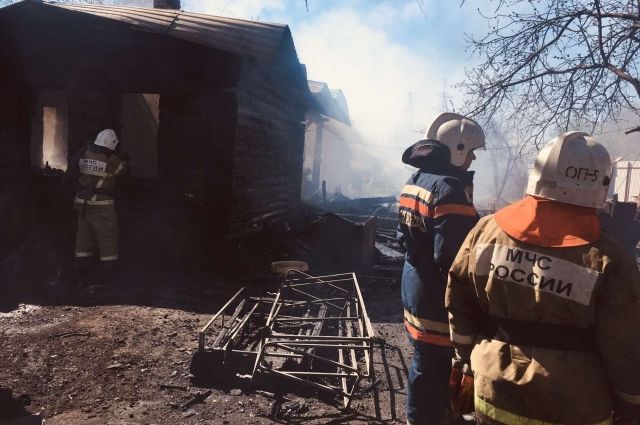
{"x":553,"y":333}
{"x":98,"y":168}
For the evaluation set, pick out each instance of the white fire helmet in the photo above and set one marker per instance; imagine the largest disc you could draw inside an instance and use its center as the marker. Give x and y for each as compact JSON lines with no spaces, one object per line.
{"x":460,"y":134}
{"x":107,"y":138}
{"x":572,"y":168}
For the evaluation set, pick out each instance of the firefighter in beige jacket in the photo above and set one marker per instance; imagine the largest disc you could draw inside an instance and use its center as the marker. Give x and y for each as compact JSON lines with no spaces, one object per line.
{"x":98,"y":167}
{"x":544,"y":306}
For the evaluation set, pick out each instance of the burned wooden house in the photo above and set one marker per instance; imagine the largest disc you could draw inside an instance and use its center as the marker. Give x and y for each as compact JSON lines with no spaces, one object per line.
{"x":210,"y":110}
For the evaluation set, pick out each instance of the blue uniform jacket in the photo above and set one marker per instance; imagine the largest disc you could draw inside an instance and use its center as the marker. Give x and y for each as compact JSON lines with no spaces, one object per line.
{"x":436,"y":213}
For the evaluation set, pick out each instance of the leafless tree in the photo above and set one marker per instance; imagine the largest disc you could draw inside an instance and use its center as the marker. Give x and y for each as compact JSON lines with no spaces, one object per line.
{"x":507,"y":159}
{"x":556,"y":64}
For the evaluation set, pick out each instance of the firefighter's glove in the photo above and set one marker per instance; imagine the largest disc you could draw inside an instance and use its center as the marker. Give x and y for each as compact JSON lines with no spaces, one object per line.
{"x":460,"y":389}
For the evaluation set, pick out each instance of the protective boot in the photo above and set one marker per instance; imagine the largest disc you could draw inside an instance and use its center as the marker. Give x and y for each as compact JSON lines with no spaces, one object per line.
{"x":102,"y":278}
{"x":70,"y":277}
{"x":82,"y":268}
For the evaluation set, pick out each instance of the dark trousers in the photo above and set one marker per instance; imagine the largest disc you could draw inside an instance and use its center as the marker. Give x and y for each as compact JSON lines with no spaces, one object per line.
{"x":428,"y":389}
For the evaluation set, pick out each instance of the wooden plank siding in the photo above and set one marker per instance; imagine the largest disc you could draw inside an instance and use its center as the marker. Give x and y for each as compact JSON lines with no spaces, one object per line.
{"x":269,"y":145}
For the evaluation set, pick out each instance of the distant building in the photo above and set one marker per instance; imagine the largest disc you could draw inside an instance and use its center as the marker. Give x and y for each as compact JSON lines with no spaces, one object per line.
{"x":335,"y":152}
{"x":625,"y":181}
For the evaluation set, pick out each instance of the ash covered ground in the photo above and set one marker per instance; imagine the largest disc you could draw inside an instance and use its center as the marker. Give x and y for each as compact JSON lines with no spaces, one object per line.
{"x":123,"y":356}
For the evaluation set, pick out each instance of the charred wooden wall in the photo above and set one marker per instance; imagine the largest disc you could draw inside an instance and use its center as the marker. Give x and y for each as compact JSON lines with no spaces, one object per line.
{"x":231,"y":132}
{"x":269,"y":145}
{"x":14,"y":133}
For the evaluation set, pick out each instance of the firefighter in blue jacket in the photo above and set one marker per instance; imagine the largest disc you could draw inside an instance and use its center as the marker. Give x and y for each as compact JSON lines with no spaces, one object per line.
{"x":436,"y":213}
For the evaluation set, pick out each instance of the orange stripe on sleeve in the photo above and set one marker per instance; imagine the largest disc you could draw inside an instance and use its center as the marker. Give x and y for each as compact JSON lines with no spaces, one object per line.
{"x":434,"y":339}
{"x":415,"y":205}
{"x":459,"y":209}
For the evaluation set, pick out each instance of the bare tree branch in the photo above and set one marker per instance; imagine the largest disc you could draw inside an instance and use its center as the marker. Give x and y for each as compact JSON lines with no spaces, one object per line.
{"x":556,"y":65}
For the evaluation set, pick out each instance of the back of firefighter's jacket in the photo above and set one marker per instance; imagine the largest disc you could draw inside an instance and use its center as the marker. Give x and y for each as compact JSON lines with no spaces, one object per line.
{"x":436,"y":213}
{"x":553,"y":333}
{"x":98,"y":169}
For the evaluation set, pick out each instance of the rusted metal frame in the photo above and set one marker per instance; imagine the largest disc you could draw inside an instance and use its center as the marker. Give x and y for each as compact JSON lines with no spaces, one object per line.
{"x":330,"y":374}
{"x":317,"y":299}
{"x":314,"y":384}
{"x":287,"y":355}
{"x":295,"y":344}
{"x":229,"y":344}
{"x":296,"y":303}
{"x":286,"y":346}
{"x":317,"y":327}
{"x":275,"y":309}
{"x":346,"y":399}
{"x":301,"y":329}
{"x":202,"y":333}
{"x":266,"y":300}
{"x":314,"y":319}
{"x":232,"y":320}
{"x":321,"y":283}
{"x":343,"y":380}
{"x":367,"y":355}
{"x":321,"y":280}
{"x":325,"y":338}
{"x":365,"y":323}
{"x":347,"y":395}
{"x":308,"y":277}
{"x":354,"y":360}
{"x":316,"y":280}
{"x":323,"y":345}
{"x":316,"y":283}
{"x":365,"y":315}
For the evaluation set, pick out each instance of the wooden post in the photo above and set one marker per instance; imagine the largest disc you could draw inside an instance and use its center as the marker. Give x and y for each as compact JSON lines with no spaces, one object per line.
{"x":628,"y":183}
{"x":317,"y":152}
{"x":324,"y":191}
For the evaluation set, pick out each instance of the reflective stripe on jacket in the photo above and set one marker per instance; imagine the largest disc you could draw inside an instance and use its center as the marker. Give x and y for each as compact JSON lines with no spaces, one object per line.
{"x":98,"y":167}
{"x":436,"y":213}
{"x":573,"y":354}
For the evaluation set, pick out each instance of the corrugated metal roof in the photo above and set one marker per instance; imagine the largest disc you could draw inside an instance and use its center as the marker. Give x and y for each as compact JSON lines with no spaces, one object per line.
{"x":257,"y":40}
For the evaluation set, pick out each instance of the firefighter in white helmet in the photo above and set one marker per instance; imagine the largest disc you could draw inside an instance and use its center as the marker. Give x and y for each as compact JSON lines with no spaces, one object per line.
{"x":97,"y":232}
{"x":436,"y":213}
{"x":544,"y":307}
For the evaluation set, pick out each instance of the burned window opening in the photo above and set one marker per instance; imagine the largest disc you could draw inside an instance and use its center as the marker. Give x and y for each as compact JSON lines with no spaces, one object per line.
{"x":50,"y":131}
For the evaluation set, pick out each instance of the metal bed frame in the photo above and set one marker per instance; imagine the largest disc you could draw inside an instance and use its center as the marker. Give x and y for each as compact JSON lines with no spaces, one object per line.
{"x":314,"y":331}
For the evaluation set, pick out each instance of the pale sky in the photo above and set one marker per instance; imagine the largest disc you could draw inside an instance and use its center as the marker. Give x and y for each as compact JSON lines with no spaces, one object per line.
{"x":376,"y":51}
{"x":380,"y":53}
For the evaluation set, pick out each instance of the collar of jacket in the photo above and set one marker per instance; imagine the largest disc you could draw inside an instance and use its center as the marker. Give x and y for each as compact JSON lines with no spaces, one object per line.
{"x":433,"y":157}
{"x":548,"y":223}
{"x":100,"y":149}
